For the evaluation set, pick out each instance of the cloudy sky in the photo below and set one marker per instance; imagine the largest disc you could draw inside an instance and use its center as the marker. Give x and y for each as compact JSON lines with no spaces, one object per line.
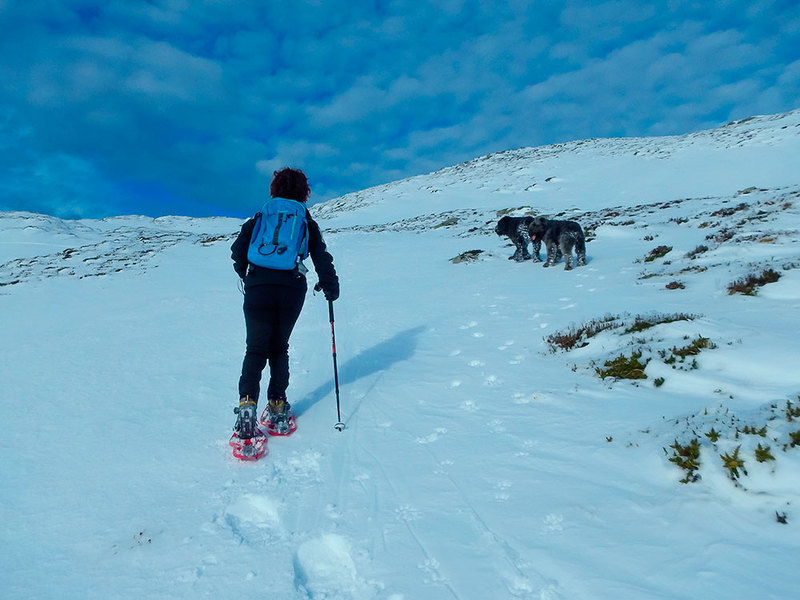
{"x":187,"y":106}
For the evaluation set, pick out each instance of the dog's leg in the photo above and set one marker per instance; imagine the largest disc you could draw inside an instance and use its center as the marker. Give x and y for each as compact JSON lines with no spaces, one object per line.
{"x":566,"y":250}
{"x":552,"y":252}
{"x":537,"y":248}
{"x":580,"y":250}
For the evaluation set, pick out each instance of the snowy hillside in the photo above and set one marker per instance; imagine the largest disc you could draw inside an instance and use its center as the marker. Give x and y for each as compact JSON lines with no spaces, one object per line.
{"x":625,"y":430}
{"x":591,"y":174}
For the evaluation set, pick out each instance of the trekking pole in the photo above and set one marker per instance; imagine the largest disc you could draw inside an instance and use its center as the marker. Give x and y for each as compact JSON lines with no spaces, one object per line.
{"x":339,"y":425}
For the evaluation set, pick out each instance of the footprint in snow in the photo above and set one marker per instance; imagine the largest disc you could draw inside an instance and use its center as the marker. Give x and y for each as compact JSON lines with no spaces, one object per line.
{"x":429,"y":439}
{"x":443,"y":468}
{"x":527,"y":447}
{"x":333,"y":512}
{"x":569,"y":301}
{"x":407,"y":513}
{"x":469,"y":406}
{"x":253,"y":518}
{"x":501,"y":493}
{"x":496,"y":426}
{"x":553,"y":523}
{"x":522,"y":398}
{"x":432,"y":570}
{"x":324,"y":568}
{"x":190,"y":575}
{"x":300,"y":464}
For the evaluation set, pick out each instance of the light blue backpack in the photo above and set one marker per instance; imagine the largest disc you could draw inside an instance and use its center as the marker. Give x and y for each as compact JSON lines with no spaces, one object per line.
{"x":280,"y":235}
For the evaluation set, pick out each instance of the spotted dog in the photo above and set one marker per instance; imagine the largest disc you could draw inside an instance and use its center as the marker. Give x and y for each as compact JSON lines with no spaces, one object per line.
{"x":560,"y":238}
{"x":516,"y":229}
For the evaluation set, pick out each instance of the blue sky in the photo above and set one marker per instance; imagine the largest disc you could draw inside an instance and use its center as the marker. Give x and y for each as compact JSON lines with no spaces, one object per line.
{"x":112,"y":107}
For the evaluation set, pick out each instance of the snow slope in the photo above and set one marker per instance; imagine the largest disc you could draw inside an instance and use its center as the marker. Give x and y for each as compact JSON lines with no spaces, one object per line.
{"x":479,"y":460}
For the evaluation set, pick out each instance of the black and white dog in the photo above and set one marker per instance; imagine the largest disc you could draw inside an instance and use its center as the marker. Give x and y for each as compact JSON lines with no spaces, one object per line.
{"x":516,"y":229}
{"x":559,"y":237}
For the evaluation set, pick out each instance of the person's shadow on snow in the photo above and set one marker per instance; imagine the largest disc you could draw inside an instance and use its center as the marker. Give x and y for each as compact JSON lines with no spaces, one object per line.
{"x":378,"y":358}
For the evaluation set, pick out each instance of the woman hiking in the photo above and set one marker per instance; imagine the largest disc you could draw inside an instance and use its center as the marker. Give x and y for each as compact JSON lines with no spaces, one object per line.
{"x":274,"y":296}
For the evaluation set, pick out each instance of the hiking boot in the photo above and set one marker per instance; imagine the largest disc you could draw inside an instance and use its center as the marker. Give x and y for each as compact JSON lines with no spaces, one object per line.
{"x":279,"y":418}
{"x":278,"y":407}
{"x":245,"y":427}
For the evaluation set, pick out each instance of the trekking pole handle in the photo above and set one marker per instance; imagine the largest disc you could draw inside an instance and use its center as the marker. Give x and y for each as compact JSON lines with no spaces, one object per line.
{"x":318,"y":288}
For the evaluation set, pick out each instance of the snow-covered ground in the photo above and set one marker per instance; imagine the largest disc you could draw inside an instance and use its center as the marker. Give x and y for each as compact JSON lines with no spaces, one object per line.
{"x":480,"y":459}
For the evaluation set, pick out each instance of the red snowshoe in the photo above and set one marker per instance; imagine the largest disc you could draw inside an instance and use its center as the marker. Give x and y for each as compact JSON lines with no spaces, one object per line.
{"x":278,"y":418}
{"x":248,"y":441}
{"x":249,"y":448}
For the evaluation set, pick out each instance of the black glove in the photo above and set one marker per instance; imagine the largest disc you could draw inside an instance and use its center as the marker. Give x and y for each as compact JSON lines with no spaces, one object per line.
{"x":330,"y":294}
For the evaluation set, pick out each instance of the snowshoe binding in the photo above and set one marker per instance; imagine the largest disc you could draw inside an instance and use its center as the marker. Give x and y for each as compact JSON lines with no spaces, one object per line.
{"x":248,"y":441}
{"x":278,"y":418}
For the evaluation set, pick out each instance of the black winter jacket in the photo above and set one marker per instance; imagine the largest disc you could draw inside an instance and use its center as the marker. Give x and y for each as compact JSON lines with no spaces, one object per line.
{"x":253,"y":275}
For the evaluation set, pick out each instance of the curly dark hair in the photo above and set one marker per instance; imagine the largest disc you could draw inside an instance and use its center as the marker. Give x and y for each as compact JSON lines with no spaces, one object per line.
{"x":290,"y":183}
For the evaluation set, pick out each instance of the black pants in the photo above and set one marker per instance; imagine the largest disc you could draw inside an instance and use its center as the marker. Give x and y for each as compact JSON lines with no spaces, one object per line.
{"x":270,"y":313}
